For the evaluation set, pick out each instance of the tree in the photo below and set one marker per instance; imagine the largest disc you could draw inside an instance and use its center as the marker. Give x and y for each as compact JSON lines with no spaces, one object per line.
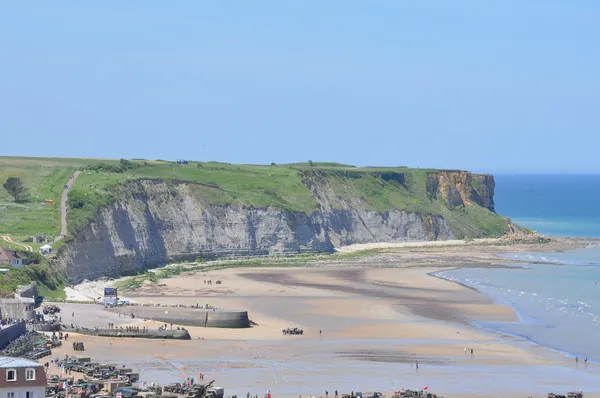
{"x":311,"y":163}
{"x":17,"y":188}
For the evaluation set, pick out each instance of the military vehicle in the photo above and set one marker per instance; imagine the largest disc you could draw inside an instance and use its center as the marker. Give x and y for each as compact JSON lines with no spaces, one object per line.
{"x":78,"y":346}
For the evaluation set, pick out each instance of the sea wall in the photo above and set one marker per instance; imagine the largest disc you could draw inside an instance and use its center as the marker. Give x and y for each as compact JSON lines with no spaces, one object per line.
{"x":10,"y":333}
{"x":190,"y":317}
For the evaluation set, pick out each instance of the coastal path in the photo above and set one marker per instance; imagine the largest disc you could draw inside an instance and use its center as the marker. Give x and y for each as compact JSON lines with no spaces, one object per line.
{"x":63,"y":204}
{"x":8,"y":239}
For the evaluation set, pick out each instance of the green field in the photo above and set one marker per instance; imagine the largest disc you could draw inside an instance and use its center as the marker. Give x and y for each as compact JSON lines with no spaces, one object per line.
{"x":254,"y":185}
{"x":45,"y":178}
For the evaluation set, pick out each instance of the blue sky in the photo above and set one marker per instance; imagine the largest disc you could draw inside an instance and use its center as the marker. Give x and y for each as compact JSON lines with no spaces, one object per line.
{"x":506,"y":86}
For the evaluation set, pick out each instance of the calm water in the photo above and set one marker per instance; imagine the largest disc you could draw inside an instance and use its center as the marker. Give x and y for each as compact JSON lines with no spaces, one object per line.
{"x":559,"y":302}
{"x":558,"y":205}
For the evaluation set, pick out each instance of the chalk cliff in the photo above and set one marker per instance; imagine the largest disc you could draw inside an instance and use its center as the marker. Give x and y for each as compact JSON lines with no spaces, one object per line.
{"x":154,"y":221}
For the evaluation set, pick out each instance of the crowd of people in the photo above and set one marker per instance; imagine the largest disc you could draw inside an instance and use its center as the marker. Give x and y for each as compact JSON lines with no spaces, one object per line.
{"x":11,"y":321}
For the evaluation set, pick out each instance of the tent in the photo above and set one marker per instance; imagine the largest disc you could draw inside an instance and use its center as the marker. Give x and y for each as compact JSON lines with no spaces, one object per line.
{"x":46,"y":249}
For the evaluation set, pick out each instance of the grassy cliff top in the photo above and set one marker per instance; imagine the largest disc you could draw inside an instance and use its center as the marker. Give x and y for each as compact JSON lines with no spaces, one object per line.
{"x":283,"y":186}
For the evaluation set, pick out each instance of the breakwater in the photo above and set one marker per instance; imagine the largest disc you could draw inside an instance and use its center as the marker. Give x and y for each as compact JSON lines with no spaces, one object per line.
{"x":45,"y":327}
{"x":189,"y":316}
{"x":167,"y":334}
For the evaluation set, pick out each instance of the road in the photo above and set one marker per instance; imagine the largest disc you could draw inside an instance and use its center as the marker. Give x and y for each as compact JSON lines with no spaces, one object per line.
{"x":63,"y":205}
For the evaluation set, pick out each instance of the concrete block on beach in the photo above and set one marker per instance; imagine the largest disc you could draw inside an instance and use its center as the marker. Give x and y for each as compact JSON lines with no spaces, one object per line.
{"x":189,"y":316}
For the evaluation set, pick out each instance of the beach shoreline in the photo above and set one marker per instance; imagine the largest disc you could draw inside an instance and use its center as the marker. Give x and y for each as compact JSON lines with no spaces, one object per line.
{"x":378,"y":313}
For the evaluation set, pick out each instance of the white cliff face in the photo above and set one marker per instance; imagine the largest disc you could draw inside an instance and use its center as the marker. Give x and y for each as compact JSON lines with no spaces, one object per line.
{"x":155,"y":222}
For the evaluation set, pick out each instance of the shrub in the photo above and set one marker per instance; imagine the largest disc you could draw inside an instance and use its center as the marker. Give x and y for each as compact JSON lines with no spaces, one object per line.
{"x":123,"y":166}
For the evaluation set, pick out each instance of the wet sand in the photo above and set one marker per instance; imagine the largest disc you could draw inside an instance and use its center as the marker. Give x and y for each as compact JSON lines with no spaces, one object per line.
{"x":375,"y":323}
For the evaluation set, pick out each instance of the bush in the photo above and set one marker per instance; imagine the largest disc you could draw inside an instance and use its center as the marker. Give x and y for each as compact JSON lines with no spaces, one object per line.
{"x":43,"y":274}
{"x":83,"y":206}
{"x":123,"y":166}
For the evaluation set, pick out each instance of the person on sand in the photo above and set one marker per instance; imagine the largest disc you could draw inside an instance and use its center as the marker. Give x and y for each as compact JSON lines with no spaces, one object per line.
{"x":576,"y":359}
{"x":326,"y":394}
{"x":336,"y":394}
{"x":585,"y":360}
{"x":417,"y":365}
{"x":465,"y":350}
{"x":471,"y":351}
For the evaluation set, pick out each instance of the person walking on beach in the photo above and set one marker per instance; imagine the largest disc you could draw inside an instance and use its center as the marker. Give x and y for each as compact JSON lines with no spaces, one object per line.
{"x":465,"y":350}
{"x":576,"y":359}
{"x":471,"y":351}
{"x":417,"y":365}
{"x":326,"y":394}
{"x":336,"y":394}
{"x":585,"y":360}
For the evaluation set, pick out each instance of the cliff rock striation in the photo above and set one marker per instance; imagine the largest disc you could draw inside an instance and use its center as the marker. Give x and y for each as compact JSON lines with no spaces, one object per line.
{"x":152,"y":221}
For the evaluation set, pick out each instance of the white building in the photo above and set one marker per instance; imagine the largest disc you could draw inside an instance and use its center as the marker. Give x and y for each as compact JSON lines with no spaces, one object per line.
{"x":45,"y":250}
{"x":21,"y":378}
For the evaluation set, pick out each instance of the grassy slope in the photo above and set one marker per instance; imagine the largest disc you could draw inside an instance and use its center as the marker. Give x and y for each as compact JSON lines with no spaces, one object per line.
{"x":45,"y":178}
{"x":278,"y":185}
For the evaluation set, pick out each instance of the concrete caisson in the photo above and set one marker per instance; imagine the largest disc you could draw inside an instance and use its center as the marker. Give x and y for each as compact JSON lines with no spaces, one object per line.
{"x":189,"y":316}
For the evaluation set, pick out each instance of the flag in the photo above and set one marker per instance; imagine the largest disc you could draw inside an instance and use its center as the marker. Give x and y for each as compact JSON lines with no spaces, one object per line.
{"x":426,"y":388}
{"x":65,"y":385}
{"x":144,"y":383}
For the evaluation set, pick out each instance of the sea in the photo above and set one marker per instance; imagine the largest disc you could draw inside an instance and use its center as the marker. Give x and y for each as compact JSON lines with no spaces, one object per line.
{"x":557,"y":299}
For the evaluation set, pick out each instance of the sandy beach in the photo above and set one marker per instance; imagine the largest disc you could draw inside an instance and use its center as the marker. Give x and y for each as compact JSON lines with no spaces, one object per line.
{"x":366,"y":324}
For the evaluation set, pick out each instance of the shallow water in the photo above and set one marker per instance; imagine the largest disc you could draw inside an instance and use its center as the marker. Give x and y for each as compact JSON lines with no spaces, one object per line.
{"x":558,"y":304}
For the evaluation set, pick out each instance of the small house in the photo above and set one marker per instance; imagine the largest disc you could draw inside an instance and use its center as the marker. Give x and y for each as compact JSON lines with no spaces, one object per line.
{"x":10,"y":257}
{"x":41,"y":238}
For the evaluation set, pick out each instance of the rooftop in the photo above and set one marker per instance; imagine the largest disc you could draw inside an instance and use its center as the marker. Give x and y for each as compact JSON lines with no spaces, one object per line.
{"x":17,"y":299}
{"x":10,"y":362}
{"x":7,"y":254}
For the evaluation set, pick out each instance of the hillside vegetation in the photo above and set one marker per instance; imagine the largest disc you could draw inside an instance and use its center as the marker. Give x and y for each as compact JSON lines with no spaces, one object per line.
{"x":154,"y":211}
{"x":281,"y":186}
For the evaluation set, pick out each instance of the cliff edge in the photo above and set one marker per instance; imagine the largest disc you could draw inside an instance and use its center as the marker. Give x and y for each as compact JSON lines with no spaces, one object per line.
{"x":148,"y":218}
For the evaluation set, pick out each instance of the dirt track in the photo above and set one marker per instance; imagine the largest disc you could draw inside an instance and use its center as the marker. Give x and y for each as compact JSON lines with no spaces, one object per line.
{"x":63,"y":205}
{"x":8,"y":239}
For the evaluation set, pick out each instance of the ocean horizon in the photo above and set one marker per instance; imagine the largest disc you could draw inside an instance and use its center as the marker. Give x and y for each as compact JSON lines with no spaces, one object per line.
{"x":557,"y":299}
{"x":553,"y":205}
